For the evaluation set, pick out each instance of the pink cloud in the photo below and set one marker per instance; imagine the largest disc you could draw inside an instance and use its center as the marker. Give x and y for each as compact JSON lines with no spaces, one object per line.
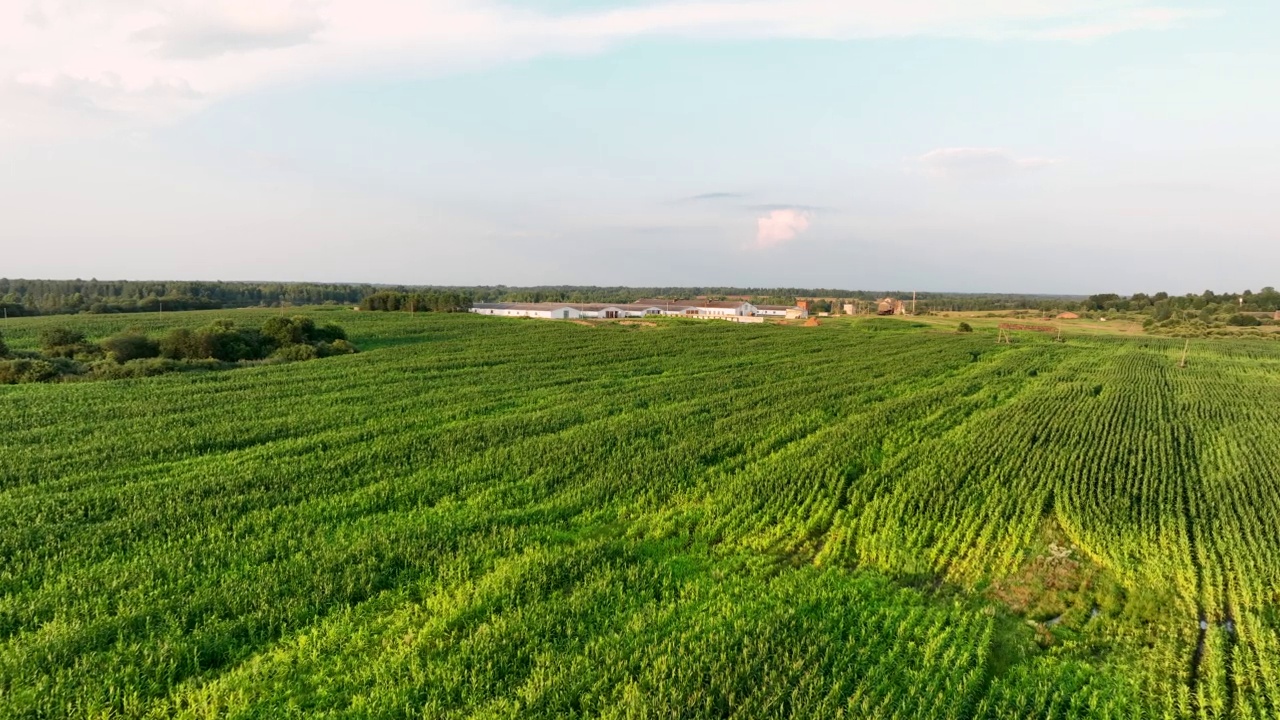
{"x":780,"y":226}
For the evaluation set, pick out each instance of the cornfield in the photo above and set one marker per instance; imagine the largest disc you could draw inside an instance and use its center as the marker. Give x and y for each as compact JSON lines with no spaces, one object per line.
{"x":481,"y":517}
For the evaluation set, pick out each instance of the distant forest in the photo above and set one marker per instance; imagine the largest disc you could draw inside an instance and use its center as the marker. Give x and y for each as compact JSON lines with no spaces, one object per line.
{"x":52,"y":297}
{"x":60,"y":297}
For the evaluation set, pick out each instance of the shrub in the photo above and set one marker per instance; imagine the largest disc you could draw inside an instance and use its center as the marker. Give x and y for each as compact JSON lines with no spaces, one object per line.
{"x":130,"y":346}
{"x":27,"y":371}
{"x":228,"y":344}
{"x":329,"y":333}
{"x":342,"y":347}
{"x":964,"y":328}
{"x":149,"y":367}
{"x":180,"y":344}
{"x":337,"y":347}
{"x":4,"y":349}
{"x":289,"y":331}
{"x":1239,"y":320}
{"x":63,"y":342}
{"x":221,"y":340}
{"x":296,"y":352}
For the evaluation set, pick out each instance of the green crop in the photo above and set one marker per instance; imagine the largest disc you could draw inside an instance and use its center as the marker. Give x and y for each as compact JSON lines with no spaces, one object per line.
{"x":481,"y":517}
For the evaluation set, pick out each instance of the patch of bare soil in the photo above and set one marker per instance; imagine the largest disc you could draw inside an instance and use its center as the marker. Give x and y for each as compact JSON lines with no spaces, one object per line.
{"x":1046,"y":588}
{"x":638,"y":322}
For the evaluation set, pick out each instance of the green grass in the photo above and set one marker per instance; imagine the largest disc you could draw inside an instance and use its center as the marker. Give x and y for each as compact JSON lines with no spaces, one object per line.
{"x":479,"y":517}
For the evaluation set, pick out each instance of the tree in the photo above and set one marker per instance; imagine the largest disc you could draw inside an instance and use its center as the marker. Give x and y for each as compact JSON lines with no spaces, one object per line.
{"x":4,"y":349}
{"x":62,"y":342}
{"x":1239,"y":320}
{"x":289,"y":331}
{"x":181,"y":344}
{"x":130,"y":346}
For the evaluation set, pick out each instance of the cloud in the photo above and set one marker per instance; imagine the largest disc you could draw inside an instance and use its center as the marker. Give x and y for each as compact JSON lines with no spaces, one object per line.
{"x":35,"y":17}
{"x":231,"y":27}
{"x":770,"y":207}
{"x":977,"y":162}
{"x":1138,"y":19}
{"x":715,"y":196}
{"x":780,"y":227}
{"x":220,"y":48}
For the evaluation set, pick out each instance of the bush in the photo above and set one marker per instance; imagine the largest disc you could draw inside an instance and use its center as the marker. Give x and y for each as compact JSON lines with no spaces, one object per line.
{"x":342,"y":347}
{"x":329,"y":333}
{"x":4,"y":349}
{"x":62,"y":342}
{"x":180,"y":344}
{"x":149,"y":367}
{"x":221,"y":340}
{"x":964,"y":328}
{"x":27,"y":371}
{"x":337,"y":347}
{"x":289,"y":331}
{"x":296,"y":352}
{"x":226,"y":343}
{"x":130,"y":346}
{"x":1239,"y":320}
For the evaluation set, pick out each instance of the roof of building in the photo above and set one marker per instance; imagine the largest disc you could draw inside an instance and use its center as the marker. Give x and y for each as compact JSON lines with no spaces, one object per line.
{"x":774,"y":307}
{"x":520,"y":306}
{"x":588,"y":307}
{"x":660,"y":302}
{"x":719,"y":303}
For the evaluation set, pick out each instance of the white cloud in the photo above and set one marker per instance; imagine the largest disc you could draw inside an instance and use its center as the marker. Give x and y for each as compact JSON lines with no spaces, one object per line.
{"x":208,"y":31}
{"x":218,"y":48}
{"x":977,"y":162}
{"x":780,"y":226}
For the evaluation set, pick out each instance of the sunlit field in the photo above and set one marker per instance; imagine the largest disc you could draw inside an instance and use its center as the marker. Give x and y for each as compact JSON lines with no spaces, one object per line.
{"x":481,"y":517}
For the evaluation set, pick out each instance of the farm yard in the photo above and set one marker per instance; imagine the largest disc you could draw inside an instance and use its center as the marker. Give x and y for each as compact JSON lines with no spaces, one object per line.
{"x":492,"y":517}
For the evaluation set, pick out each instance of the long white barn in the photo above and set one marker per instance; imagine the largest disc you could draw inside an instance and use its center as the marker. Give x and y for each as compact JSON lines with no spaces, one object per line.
{"x":700,"y":309}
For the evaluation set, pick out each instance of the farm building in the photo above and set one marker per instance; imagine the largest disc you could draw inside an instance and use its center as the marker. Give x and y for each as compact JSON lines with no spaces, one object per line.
{"x":558,"y":311}
{"x":1068,"y":316}
{"x":714,"y":308}
{"x":773,"y":310}
{"x":738,"y":311}
{"x":890,"y":306}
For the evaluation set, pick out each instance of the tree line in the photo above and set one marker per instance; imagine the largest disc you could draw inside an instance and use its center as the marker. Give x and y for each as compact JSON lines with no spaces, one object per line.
{"x":59,"y":297}
{"x":430,"y":301}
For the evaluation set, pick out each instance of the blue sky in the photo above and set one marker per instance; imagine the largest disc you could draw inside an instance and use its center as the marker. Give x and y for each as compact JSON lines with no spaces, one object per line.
{"x":1028,"y":146}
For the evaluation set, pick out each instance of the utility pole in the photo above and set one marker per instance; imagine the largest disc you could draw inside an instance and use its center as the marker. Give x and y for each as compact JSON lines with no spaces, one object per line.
{"x":913,"y":302}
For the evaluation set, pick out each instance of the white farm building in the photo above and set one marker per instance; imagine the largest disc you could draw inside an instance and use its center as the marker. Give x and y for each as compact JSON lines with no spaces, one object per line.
{"x":737,"y":311}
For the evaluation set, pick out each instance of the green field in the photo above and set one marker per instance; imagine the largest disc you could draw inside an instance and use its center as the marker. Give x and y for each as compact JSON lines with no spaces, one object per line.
{"x":488,"y":518}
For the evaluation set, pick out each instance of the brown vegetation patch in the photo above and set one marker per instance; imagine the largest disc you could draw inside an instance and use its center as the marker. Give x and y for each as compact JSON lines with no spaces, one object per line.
{"x":1042,"y":586}
{"x":638,"y":322}
{"x":811,"y":322}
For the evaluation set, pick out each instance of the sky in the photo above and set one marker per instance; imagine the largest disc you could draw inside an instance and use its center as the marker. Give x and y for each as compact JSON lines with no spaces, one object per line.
{"x":1047,"y":146}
